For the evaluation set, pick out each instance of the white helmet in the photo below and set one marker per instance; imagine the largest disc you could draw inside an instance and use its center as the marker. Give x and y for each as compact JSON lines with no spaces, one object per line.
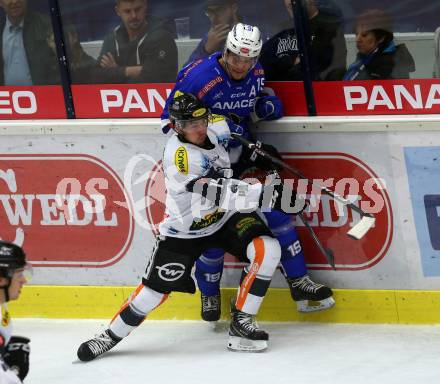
{"x":244,"y":40}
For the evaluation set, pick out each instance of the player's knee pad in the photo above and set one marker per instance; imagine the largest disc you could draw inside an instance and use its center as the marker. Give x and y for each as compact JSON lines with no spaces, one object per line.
{"x":266,"y":252}
{"x":145,"y":300}
{"x":141,"y":302}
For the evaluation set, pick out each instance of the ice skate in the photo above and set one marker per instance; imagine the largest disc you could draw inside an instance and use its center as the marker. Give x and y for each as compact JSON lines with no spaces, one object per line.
{"x":310,"y":296}
{"x":244,"y":334}
{"x":211,"y":307}
{"x":95,"y":347}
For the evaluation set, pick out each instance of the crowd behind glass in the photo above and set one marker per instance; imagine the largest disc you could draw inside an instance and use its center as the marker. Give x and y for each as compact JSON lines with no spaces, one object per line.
{"x":149,"y":41}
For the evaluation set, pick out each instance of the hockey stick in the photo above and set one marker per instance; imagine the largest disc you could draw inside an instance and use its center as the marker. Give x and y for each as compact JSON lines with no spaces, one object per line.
{"x":327,"y":252}
{"x":358,"y":231}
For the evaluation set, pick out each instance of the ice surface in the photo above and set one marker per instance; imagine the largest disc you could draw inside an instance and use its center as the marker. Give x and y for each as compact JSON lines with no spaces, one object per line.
{"x":192,"y":352}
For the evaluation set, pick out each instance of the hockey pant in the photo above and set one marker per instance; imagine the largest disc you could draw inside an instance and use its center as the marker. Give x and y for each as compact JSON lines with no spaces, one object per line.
{"x":263,"y":253}
{"x":209,"y":266}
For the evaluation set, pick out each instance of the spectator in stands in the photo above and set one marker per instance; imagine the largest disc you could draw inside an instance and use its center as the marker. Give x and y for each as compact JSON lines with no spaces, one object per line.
{"x":26,"y":58}
{"x":378,"y":56}
{"x":223,"y":15}
{"x":83,"y":68}
{"x":280,"y":55}
{"x":140,"y":49}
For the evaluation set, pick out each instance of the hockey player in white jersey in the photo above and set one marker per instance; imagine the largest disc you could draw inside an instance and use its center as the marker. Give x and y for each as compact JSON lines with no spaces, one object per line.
{"x":204,"y":208}
{"x":14,"y":350}
{"x":231,"y":83}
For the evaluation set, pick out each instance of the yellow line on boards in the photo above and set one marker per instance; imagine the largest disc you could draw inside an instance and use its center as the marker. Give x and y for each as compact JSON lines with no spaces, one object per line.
{"x":352,"y":306}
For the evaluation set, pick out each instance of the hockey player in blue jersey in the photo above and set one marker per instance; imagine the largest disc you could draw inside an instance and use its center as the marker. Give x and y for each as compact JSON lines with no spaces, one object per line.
{"x":231,"y":83}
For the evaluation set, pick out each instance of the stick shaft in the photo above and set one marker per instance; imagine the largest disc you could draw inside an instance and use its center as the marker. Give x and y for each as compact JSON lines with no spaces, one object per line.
{"x":327,"y":253}
{"x":297,"y":173}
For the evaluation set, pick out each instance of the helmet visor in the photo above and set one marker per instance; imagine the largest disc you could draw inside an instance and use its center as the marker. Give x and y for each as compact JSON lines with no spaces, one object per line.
{"x":235,"y":60}
{"x":193,"y":124}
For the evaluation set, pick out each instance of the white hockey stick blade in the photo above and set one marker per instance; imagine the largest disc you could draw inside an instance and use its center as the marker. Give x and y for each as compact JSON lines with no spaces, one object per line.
{"x":361,"y":228}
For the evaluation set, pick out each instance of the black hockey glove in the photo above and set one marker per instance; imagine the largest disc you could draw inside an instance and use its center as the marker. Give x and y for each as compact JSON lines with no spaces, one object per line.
{"x":276,"y":196}
{"x":17,"y":355}
{"x":259,"y":161}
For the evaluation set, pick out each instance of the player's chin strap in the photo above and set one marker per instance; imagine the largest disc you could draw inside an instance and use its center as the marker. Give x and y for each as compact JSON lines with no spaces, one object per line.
{"x":358,"y":231}
{"x":6,"y":288}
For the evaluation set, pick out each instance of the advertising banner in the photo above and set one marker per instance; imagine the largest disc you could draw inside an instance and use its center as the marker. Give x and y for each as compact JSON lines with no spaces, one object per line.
{"x":148,"y":100}
{"x":64,"y":208}
{"x":120,"y":100}
{"x":333,"y":98}
{"x":86,"y":207}
{"x":32,"y":102}
{"x":384,"y":97}
{"x":424,"y":183}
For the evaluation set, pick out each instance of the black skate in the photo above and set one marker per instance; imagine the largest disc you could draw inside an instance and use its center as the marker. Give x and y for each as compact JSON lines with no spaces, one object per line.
{"x":244,"y":334}
{"x":93,"y":348}
{"x":211,"y":307}
{"x":304,"y":291}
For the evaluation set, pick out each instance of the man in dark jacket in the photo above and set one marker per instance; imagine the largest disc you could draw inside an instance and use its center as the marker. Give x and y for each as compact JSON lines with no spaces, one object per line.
{"x":223,"y":15}
{"x":378,"y":56}
{"x":280,"y":55}
{"x":140,"y":49}
{"x":26,"y":58}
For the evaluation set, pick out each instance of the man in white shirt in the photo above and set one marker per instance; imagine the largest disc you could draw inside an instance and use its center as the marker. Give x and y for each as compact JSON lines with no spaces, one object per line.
{"x":26,"y":58}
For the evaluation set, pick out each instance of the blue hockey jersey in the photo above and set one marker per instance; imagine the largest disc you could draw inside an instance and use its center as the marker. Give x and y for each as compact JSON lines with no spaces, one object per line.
{"x":206,"y":79}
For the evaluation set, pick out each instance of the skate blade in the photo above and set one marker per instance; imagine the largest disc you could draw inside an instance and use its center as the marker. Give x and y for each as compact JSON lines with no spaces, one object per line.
{"x":305,"y":306}
{"x":240,"y":344}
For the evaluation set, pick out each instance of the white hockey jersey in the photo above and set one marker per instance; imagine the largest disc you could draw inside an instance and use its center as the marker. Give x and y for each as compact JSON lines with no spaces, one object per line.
{"x":5,"y":325}
{"x":6,"y":375}
{"x":190,"y":214}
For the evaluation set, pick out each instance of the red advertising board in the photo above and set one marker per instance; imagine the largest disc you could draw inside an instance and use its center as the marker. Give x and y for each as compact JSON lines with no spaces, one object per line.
{"x":397,"y":97}
{"x":32,"y":102}
{"x":355,"y":180}
{"x":120,"y":100}
{"x":343,"y":172}
{"x":66,"y":210}
{"x":148,"y":100}
{"x":292,"y":96}
{"x":333,"y":98}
